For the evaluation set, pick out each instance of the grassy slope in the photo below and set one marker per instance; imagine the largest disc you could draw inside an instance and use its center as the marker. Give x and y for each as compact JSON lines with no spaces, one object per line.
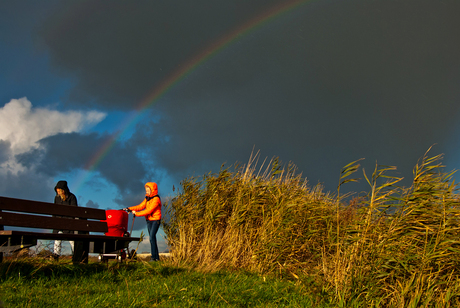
{"x":36,"y":283}
{"x":390,"y":247}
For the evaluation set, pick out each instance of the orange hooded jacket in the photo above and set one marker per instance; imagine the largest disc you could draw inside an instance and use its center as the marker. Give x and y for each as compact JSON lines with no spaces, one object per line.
{"x":150,"y":207}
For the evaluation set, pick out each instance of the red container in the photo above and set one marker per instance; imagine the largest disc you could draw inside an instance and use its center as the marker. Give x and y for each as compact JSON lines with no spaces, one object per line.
{"x":117,"y":221}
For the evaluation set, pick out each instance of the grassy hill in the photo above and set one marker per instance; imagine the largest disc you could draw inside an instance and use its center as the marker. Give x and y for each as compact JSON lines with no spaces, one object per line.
{"x":259,"y":236}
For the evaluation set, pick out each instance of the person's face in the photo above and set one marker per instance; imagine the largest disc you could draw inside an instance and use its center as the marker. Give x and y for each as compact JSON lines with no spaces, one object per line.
{"x":60,"y":191}
{"x":147,"y":190}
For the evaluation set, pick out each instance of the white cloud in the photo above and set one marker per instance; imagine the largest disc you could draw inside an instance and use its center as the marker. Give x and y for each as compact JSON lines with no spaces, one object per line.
{"x":22,"y":126}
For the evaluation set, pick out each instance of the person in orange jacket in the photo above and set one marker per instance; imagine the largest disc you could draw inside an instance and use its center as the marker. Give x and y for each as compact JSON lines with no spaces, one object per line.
{"x":150,"y":208}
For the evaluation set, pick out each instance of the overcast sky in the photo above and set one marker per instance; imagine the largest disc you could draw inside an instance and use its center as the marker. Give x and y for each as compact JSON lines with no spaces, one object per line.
{"x":319,"y":83}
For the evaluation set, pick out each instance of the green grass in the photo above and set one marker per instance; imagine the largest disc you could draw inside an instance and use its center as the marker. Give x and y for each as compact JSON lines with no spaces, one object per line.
{"x":35,"y":283}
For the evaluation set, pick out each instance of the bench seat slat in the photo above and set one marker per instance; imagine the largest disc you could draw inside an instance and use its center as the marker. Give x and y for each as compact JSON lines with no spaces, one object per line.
{"x":69,"y":236}
{"x":11,"y":240}
{"x":55,"y":223}
{"x":38,"y":207}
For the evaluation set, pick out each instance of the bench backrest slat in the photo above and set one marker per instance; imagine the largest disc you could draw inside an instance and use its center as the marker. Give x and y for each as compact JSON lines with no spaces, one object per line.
{"x":37,"y":207}
{"x":56,"y":223}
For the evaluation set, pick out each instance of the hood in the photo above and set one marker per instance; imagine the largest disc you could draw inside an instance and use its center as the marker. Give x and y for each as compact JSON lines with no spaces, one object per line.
{"x":153,"y":188}
{"x":62,"y":185}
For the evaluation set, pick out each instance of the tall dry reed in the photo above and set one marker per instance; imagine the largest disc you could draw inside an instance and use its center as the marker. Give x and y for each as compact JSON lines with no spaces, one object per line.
{"x":394,"y":246}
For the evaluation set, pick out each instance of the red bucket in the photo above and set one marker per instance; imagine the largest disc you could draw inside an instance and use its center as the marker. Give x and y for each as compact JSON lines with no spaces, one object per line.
{"x":117,"y":222}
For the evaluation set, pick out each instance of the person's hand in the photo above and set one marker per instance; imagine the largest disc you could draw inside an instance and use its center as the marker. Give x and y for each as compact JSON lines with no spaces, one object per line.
{"x":126,"y":209}
{"x":134,"y":213}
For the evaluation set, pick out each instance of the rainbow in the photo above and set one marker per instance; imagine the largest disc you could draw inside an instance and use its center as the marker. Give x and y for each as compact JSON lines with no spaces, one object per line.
{"x":178,"y":75}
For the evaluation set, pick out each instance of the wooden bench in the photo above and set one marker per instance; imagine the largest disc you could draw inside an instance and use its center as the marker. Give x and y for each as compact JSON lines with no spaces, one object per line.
{"x":39,"y":218}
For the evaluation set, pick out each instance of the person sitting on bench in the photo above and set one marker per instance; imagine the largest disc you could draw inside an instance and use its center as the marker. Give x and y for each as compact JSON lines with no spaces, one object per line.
{"x":63,"y":196}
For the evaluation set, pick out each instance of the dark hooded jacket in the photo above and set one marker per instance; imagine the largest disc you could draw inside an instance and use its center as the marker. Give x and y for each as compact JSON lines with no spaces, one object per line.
{"x":70,"y":198}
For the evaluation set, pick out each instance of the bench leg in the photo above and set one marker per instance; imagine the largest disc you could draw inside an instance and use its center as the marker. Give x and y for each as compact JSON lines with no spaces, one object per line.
{"x":80,"y":255}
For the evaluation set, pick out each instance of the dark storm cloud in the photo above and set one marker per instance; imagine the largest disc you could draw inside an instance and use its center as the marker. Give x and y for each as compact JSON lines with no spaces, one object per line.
{"x":5,"y":151}
{"x":139,"y":223}
{"x":325,"y":84}
{"x":92,"y":204}
{"x":27,"y":185}
{"x":65,"y":152}
{"x":119,"y":51}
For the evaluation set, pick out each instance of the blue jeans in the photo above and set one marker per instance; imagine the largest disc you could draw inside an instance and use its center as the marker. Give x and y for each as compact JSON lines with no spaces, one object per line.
{"x":152,"y":227}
